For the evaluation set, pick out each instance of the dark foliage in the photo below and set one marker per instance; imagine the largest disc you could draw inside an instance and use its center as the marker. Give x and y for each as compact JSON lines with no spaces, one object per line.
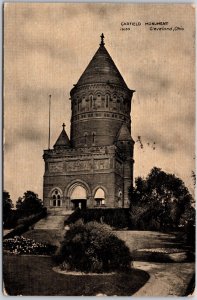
{"x":118,"y":218}
{"x":161,"y":202}
{"x":29,"y":204}
{"x":11,"y":220}
{"x":191,"y":287}
{"x":14,"y":218}
{"x":24,"y":224}
{"x":7,"y":207}
{"x":93,"y":247}
{"x":188,"y":235}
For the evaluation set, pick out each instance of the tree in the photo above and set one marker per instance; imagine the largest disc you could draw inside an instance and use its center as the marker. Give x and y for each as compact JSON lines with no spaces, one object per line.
{"x":29,"y":204}
{"x":160,"y":200}
{"x":18,"y":203}
{"x":194,"y":178}
{"x":7,"y":205}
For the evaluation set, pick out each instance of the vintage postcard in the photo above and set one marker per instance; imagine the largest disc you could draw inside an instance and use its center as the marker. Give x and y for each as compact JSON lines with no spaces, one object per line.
{"x":99,"y":149}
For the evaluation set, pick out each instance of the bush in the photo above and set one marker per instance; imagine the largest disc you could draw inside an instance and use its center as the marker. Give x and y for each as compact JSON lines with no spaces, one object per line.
{"x":118,"y":218}
{"x":30,"y":220}
{"x":92,"y":247}
{"x":11,"y":220}
{"x":24,"y":223}
{"x":17,"y":217}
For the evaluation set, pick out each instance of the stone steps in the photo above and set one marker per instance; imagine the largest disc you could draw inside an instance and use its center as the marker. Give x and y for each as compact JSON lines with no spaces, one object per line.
{"x":56,"y":212}
{"x":50,"y":222}
{"x":54,"y":220}
{"x":50,"y":229}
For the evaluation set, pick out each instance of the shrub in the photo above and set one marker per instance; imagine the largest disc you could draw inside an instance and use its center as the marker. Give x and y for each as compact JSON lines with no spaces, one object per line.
{"x":118,"y":218}
{"x":24,"y":223}
{"x":92,"y":247}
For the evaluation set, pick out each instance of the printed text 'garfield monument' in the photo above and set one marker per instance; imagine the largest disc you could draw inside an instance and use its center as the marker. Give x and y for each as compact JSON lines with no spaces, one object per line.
{"x":94,"y":168}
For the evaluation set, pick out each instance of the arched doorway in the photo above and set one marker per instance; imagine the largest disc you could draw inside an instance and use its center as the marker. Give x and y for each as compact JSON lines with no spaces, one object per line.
{"x":78,"y":197}
{"x":120,"y":199}
{"x":99,"y":197}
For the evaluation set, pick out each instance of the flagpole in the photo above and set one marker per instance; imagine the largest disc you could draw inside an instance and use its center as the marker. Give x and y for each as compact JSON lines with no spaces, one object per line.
{"x":49,"y":121}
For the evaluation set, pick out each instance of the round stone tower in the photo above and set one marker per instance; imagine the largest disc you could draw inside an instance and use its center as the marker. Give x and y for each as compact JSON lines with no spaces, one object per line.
{"x":100,"y":102}
{"x":94,"y":168}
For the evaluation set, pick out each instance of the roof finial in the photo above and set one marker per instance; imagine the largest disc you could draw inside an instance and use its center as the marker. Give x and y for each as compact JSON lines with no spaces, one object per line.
{"x":102,"y":40}
{"x":63,"y":125}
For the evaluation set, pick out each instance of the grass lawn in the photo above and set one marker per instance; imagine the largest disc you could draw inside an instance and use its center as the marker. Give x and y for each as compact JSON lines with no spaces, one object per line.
{"x":134,"y":239}
{"x":150,"y":239}
{"x":33,"y":275}
{"x":52,"y":236}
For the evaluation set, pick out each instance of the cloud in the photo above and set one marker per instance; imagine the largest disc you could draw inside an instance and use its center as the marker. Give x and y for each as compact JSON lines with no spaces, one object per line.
{"x":30,"y":134}
{"x":49,"y":45}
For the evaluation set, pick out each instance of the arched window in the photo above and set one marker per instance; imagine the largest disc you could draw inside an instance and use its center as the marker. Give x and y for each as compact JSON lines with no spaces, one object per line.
{"x":91,"y":100}
{"x":119,"y":198}
{"x":83,"y":104}
{"x":85,"y":138}
{"x":56,"y":198}
{"x":99,"y":197}
{"x":107,"y":100}
{"x":99,"y":100}
{"x":114,"y":97}
{"x":93,"y":137}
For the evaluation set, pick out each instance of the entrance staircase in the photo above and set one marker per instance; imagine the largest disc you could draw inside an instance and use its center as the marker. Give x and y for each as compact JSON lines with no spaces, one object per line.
{"x":49,"y":229}
{"x":53,"y":220}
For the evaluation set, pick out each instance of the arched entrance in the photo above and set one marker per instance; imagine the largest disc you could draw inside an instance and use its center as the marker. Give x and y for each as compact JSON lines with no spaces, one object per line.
{"x":78,"y":197}
{"x":120,"y":204}
{"x":99,"y":197}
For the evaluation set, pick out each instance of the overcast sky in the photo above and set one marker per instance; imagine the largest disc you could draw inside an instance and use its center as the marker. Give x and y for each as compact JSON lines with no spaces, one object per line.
{"x":47,"y":46}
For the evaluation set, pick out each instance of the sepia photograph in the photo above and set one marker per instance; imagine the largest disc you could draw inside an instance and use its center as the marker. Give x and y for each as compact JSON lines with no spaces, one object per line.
{"x":98,"y":149}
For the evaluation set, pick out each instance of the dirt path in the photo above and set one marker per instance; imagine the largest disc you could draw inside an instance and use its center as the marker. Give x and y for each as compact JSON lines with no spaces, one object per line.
{"x":169,"y":279}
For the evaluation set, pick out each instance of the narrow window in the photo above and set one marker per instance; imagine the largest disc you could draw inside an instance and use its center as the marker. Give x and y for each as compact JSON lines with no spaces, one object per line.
{"x":94,"y":103}
{"x":107,"y":101}
{"x":85,"y":138}
{"x":93,"y":138}
{"x":91,"y":99}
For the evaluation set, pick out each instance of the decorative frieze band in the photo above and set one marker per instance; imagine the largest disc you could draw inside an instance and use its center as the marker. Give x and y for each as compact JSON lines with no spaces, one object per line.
{"x":79,"y":165}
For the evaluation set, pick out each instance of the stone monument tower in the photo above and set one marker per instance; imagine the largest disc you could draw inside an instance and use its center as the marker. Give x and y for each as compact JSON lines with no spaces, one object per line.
{"x":94,"y":168}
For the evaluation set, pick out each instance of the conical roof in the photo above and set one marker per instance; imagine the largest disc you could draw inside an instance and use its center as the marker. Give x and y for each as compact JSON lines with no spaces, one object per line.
{"x":63,"y":140}
{"x":124,"y":134}
{"x":101,"y":69}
